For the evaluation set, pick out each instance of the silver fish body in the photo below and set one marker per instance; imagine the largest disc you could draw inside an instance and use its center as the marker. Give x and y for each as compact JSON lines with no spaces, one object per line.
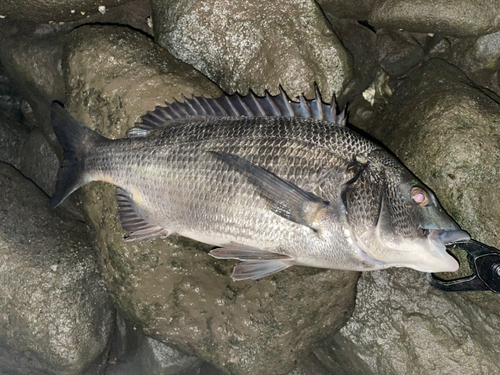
{"x":272,"y":191}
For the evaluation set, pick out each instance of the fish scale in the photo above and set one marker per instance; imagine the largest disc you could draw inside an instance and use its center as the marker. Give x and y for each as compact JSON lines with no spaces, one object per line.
{"x":203,"y":181}
{"x":270,"y":190}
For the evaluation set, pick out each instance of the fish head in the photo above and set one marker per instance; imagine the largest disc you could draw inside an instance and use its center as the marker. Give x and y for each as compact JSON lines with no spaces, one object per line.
{"x":395,"y":219}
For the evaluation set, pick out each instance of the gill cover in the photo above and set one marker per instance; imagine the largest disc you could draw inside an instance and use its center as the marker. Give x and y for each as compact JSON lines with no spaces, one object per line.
{"x":388,"y":224}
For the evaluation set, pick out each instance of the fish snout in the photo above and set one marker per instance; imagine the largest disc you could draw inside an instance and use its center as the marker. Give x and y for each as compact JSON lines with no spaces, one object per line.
{"x":442,"y":261}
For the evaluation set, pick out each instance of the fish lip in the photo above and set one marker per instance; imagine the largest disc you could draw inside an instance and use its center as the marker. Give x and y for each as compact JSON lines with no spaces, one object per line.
{"x":442,"y":237}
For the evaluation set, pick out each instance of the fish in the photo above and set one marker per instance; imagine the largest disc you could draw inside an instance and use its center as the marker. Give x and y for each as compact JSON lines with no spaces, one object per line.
{"x":266,"y":180}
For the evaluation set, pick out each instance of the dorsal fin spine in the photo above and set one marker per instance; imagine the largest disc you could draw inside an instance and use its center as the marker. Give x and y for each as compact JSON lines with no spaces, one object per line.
{"x":284,"y":97}
{"x":257,"y":104}
{"x":181,"y":107}
{"x":188,"y":102}
{"x":220,"y":107}
{"x":237,"y":105}
{"x":233,"y":108}
{"x":211,"y":110}
{"x":319,"y":103}
{"x":244,"y":105}
{"x":195,"y":98}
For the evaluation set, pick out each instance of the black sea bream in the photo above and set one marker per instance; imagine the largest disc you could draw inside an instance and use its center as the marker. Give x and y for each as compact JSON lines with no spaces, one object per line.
{"x":273,"y":183}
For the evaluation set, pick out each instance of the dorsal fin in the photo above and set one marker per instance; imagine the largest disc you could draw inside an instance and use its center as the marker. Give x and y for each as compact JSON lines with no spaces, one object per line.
{"x":236,"y":105}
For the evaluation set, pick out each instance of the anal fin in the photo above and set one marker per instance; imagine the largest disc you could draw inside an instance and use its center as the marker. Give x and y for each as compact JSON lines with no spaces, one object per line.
{"x":132,"y":220}
{"x":242,"y":252}
{"x":256,"y":263}
{"x":257,"y":269}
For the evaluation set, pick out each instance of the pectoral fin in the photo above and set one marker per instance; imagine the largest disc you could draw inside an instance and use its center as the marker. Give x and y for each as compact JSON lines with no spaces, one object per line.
{"x":283,"y":197}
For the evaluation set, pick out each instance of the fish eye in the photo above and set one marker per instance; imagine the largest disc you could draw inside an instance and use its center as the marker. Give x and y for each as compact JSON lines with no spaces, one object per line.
{"x":419,"y":196}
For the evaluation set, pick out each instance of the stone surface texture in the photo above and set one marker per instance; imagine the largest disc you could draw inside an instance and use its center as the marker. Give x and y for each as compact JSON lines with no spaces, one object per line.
{"x":134,"y":353}
{"x":446,"y":17}
{"x":55,"y":314}
{"x":44,"y":11}
{"x":34,"y":66}
{"x":401,"y":325}
{"x":448,"y":133}
{"x":242,"y":45}
{"x":171,"y":289}
{"x":397,"y":52}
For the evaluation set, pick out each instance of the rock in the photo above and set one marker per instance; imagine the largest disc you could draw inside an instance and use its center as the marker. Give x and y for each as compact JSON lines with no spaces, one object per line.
{"x":462,"y":18}
{"x":44,"y":11}
{"x":345,"y":9}
{"x":12,"y":132}
{"x":440,"y":50}
{"x":244,"y":45}
{"x":134,"y":353}
{"x":397,"y":52}
{"x":479,"y":59}
{"x":55,"y":314}
{"x":360,"y":42}
{"x":447,"y":132}
{"x":39,"y":162}
{"x":401,"y":325}
{"x":171,"y":289}
{"x":11,"y":141}
{"x":311,"y":366}
{"x":132,"y":75}
{"x":33,"y":65}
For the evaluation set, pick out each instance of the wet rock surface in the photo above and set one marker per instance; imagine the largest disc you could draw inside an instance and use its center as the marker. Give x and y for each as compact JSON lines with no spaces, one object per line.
{"x":44,"y":11}
{"x":397,"y":52}
{"x":134,"y":353}
{"x":403,"y":326}
{"x":457,"y":18}
{"x":56,"y":316}
{"x":245,"y":45}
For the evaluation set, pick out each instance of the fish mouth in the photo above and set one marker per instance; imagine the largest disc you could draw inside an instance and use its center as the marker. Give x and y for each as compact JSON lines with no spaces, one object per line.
{"x":438,"y":239}
{"x":442,"y":238}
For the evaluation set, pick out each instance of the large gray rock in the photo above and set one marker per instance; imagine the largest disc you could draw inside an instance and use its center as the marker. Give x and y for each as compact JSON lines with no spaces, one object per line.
{"x":44,"y":11}
{"x":56,"y":316}
{"x":34,"y":67}
{"x":255,"y":45}
{"x":479,"y":58}
{"x":39,"y":162}
{"x":171,"y":289}
{"x":12,"y":132}
{"x":457,"y":18}
{"x":397,"y":52}
{"x":401,"y":325}
{"x":12,"y":137}
{"x":134,"y":353}
{"x":447,"y":132}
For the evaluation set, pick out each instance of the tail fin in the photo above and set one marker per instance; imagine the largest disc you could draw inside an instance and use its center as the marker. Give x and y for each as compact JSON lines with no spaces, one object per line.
{"x":74,"y":137}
